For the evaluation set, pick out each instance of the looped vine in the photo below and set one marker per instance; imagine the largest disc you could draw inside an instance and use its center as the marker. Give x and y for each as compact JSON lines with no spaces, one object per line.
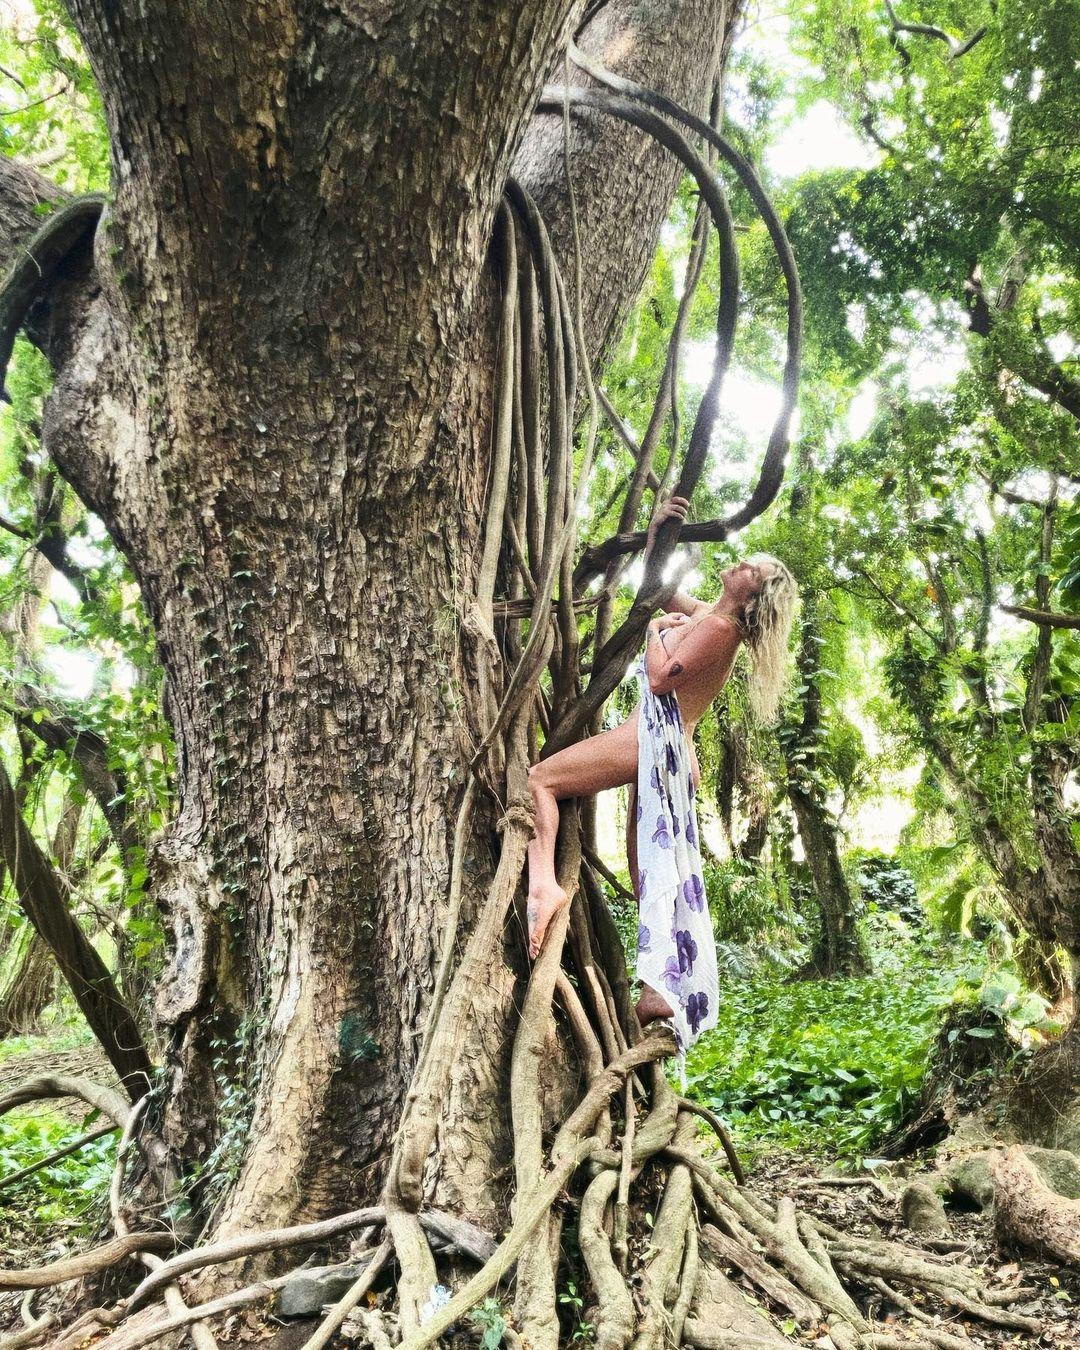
{"x":628,"y":1124}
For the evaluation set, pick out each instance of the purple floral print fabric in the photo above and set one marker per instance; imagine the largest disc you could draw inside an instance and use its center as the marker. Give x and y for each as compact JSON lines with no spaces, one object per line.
{"x":676,"y":951}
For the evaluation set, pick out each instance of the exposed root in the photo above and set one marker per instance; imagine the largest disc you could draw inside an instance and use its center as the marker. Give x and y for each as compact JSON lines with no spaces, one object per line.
{"x":341,"y":1310}
{"x":34,"y":1328}
{"x":1029,"y":1213}
{"x":775,"y":1286}
{"x":615,"y":1315}
{"x":86,"y":1263}
{"x":200,"y":1336}
{"x":717,"y":1126}
{"x":134,"y":1338}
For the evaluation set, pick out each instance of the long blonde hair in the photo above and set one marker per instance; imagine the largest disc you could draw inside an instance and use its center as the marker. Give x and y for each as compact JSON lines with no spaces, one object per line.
{"x":767,"y":621}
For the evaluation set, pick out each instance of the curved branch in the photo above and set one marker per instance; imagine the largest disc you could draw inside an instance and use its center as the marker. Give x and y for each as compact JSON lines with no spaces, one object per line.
{"x":37,"y":265}
{"x":956,"y":49}
{"x":595,"y":560}
{"x":86,"y":1263}
{"x":104,"y":1099}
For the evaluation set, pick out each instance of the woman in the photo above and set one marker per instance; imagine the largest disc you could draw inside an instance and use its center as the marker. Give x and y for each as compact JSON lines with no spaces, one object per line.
{"x":689,"y":652}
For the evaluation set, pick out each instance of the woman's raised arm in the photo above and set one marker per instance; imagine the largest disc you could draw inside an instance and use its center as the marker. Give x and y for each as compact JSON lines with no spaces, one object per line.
{"x":680,"y":603}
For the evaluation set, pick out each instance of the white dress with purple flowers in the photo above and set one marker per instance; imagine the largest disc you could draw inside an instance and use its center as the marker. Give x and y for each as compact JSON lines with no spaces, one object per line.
{"x":676,"y":949}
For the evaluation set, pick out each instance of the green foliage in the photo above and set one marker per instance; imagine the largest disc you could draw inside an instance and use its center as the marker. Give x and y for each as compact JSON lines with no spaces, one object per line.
{"x":888,"y":886}
{"x":1004,"y":994}
{"x":51,"y":101}
{"x":831,"y":1065}
{"x":490,"y":1320}
{"x":71,"y":1191}
{"x":583,"y":1333}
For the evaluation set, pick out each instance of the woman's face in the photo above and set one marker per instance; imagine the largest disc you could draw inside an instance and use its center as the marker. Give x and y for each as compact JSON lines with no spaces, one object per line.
{"x":743,"y":581}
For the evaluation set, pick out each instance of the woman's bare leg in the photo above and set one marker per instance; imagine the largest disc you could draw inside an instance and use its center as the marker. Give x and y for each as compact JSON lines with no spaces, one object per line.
{"x":605,"y":761}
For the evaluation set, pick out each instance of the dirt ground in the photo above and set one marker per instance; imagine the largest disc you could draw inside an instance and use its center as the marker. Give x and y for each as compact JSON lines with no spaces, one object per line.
{"x":863,"y":1205}
{"x":864,"y":1209}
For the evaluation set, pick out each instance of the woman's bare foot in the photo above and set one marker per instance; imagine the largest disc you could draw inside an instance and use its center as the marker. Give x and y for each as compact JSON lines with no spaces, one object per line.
{"x":652,"y":1007}
{"x":544,"y":903}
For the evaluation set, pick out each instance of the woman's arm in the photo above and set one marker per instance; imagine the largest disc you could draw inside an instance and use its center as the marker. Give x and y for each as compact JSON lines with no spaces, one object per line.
{"x":712,"y":644}
{"x":690,"y":605}
{"x":680,"y":602}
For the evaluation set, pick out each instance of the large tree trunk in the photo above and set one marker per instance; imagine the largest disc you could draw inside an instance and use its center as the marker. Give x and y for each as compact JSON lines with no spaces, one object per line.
{"x":274,"y":387}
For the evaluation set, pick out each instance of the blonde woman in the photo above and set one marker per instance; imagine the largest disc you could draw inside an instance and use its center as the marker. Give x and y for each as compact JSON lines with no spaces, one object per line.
{"x":689,"y":653}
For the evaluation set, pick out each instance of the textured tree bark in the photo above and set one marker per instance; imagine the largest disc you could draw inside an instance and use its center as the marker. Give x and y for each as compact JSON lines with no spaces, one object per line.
{"x":29,"y":990}
{"x":274,"y":387}
{"x":1027,"y":1212}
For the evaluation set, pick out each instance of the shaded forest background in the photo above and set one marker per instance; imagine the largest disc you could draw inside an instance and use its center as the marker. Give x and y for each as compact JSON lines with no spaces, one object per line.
{"x":895,"y":868}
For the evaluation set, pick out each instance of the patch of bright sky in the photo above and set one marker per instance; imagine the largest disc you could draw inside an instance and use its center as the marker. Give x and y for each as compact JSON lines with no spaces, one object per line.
{"x":74,"y":670}
{"x":813,"y":138}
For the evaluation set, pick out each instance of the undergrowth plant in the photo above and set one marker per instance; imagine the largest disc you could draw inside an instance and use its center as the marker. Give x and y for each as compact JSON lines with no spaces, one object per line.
{"x":830,"y":1066}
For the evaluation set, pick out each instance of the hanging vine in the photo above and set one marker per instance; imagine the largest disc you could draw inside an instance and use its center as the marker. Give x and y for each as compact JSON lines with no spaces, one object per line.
{"x":629,"y":1129}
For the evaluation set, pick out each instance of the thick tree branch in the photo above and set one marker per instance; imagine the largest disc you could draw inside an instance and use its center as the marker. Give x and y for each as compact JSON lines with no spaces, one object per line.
{"x":1043,"y":617}
{"x":51,"y":291}
{"x":1036,"y":365}
{"x":38,"y":261}
{"x":24,"y":194}
{"x":43,"y":896}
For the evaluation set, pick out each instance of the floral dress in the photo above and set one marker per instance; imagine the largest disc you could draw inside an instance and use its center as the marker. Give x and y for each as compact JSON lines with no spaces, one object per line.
{"x":676,"y":949}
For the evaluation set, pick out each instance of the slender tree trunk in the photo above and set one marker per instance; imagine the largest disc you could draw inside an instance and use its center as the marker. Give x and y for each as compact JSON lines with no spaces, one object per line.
{"x":1044,"y":890}
{"x":839,"y":949}
{"x":30,"y":988}
{"x":43,"y":895}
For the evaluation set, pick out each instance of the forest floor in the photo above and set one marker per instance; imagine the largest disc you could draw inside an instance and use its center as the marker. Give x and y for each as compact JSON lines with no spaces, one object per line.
{"x":869,"y":1205}
{"x":63,"y":1208}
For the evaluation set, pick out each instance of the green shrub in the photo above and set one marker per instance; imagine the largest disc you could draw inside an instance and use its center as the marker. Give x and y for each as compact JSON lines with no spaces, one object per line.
{"x":70,"y":1191}
{"x":828,"y":1065}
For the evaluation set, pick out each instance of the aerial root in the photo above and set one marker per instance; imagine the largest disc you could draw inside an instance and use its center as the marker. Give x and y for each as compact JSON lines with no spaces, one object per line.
{"x":200,"y":1336}
{"x":797,"y":1265}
